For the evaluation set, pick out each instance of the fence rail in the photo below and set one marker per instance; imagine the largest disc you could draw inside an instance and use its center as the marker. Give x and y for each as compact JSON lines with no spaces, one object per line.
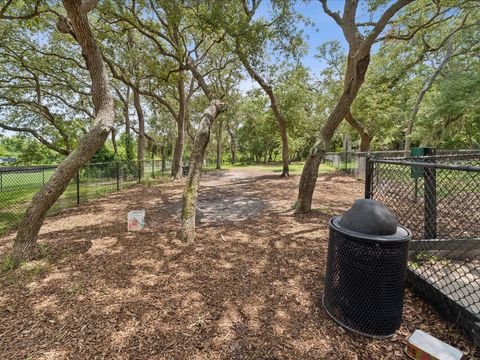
{"x":438,"y":198}
{"x":354,"y":162}
{"x":18,"y":184}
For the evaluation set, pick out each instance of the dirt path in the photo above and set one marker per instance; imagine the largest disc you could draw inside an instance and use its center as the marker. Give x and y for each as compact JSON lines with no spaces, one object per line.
{"x":249,"y":288}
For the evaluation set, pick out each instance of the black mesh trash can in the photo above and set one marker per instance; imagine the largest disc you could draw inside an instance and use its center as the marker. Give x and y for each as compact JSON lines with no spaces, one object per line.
{"x":366,"y":269}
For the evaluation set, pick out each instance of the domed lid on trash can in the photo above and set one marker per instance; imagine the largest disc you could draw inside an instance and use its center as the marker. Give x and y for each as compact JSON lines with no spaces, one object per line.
{"x":370,"y":219}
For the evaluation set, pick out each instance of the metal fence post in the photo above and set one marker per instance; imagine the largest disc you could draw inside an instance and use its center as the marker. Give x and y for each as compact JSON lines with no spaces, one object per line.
{"x":78,"y":187}
{"x":43,"y":176}
{"x":430,"y":203}
{"x":153,"y":168}
{"x":369,"y":168}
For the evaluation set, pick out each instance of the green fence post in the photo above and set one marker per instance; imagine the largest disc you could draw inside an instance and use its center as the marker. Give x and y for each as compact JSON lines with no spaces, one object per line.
{"x":153,"y":168}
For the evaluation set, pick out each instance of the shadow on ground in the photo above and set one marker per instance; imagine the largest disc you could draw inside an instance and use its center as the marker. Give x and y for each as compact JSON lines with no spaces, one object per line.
{"x":248,"y":288}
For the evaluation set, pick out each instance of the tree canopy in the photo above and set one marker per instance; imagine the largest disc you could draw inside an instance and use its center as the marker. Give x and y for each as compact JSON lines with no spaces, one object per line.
{"x":89,"y":80}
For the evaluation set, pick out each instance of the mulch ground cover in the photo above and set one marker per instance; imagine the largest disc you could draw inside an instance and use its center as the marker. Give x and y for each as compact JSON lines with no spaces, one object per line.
{"x":250,"y":287}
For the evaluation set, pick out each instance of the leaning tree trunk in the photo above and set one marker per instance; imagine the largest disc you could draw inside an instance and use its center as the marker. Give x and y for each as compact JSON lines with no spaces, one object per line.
{"x":365,"y":137}
{"x":219,"y":144}
{"x":357,"y":65}
{"x":141,"y":133}
{"x":177,"y":164}
{"x":282,"y":124}
{"x":24,"y":243}
{"x":190,"y":194}
{"x":354,"y":78}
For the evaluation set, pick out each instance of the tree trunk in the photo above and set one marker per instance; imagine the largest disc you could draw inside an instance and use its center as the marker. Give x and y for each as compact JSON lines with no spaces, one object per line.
{"x":233,"y":144}
{"x":24,"y":243}
{"x":141,"y":133}
{"x":357,"y":65}
{"x":426,"y":86}
{"x":219,"y":144}
{"x":128,"y":134}
{"x":282,"y":126}
{"x":114,"y":142}
{"x":281,"y":121}
{"x":190,"y":194}
{"x":365,"y":137}
{"x":164,"y":164}
{"x":178,"y":150}
{"x":154,"y":150}
{"x":354,"y":78}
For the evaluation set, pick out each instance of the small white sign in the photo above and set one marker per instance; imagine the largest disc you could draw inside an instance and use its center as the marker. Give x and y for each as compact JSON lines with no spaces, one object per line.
{"x":136,"y":220}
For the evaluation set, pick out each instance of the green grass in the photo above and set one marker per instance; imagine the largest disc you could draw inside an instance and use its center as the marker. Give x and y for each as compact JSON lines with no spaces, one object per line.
{"x":20,"y":187}
{"x":294,"y":167}
{"x":16,"y":180}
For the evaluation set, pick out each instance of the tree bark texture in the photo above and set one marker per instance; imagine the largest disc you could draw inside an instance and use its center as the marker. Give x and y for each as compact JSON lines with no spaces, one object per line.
{"x":128,"y":133}
{"x":24,"y":243}
{"x":177,"y":164}
{"x":114,"y":141}
{"x":233,"y":144}
{"x":141,"y":133}
{"x":219,"y":144}
{"x":354,"y":78}
{"x":190,"y":194}
{"x":357,"y":65}
{"x":365,"y":136}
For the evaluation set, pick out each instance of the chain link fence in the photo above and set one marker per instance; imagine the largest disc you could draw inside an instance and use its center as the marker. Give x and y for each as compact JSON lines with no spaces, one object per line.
{"x":438,"y":199}
{"x":19,"y":183}
{"x":353,"y":162}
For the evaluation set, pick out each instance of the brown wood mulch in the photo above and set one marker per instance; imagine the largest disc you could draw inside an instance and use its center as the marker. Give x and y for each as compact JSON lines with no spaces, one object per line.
{"x":246,"y":289}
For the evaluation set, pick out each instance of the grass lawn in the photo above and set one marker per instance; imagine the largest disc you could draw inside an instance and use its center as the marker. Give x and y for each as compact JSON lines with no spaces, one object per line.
{"x":294,"y":167}
{"x":14,"y":180}
{"x":18,"y":189}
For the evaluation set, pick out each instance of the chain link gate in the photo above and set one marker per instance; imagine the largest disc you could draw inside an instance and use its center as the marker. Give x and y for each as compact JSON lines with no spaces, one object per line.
{"x":438,"y":199}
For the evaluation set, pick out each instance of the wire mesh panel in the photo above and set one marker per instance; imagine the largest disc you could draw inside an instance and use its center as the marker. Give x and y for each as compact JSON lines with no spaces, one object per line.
{"x":18,"y":184}
{"x":438,"y":198}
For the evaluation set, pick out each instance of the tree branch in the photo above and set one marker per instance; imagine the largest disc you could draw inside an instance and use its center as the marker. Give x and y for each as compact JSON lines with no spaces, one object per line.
{"x":334,"y":15}
{"x":35,"y":12}
{"x":88,"y":5}
{"x":37,"y":136}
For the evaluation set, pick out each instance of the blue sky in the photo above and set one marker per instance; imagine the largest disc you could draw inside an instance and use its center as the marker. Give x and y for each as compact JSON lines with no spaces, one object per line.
{"x":324,"y":29}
